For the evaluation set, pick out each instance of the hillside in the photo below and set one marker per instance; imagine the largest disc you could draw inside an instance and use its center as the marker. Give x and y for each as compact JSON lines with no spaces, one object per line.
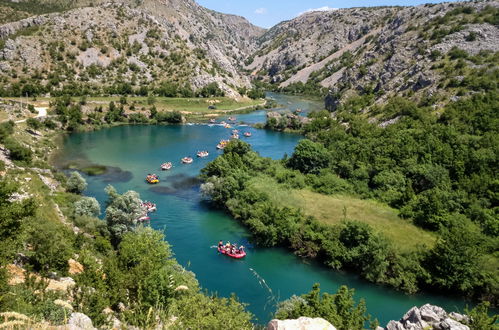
{"x":173,"y":48}
{"x":377,"y":53}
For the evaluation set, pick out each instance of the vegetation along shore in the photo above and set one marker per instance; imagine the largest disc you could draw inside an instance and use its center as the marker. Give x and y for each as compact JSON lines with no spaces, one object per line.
{"x":395,"y":180}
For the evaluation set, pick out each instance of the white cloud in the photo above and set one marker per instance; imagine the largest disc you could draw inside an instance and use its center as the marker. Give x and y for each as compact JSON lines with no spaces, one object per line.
{"x":325,"y":8}
{"x":261,"y":11}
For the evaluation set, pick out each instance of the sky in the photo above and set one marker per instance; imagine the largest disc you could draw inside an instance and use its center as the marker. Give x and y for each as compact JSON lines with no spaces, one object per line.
{"x":267,"y":13}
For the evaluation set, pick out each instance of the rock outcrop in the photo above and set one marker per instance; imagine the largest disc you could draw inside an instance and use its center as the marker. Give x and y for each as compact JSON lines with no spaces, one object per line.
{"x":428,"y":317}
{"x":79,"y":321}
{"x":285,"y":120}
{"x":302,"y":323}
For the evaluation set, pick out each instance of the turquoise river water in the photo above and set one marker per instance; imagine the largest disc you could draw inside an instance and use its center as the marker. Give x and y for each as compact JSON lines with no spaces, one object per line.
{"x":192,"y":228}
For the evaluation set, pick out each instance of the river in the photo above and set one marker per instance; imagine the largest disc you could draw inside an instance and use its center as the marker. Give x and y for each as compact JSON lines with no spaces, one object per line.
{"x":192,"y":228}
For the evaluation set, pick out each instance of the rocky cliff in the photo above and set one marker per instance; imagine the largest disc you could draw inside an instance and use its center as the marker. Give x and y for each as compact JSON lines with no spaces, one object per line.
{"x":116,"y":47}
{"x":138,"y":43}
{"x":383,"y":52}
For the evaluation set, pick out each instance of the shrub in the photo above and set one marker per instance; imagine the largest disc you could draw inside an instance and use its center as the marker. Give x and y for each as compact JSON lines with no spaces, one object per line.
{"x":340,"y":309}
{"x":6,"y":129}
{"x":33,"y":123}
{"x":76,"y":183}
{"x":122,"y":212}
{"x":88,"y":206}
{"x":18,"y":152}
{"x":51,"y":246}
{"x":309,"y":157}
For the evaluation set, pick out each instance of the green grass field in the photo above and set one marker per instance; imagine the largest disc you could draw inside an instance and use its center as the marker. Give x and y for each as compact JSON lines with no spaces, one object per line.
{"x":332,"y":210}
{"x":163,"y":103}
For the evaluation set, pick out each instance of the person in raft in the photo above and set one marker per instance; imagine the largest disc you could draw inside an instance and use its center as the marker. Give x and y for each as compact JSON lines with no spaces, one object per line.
{"x":220,"y":244}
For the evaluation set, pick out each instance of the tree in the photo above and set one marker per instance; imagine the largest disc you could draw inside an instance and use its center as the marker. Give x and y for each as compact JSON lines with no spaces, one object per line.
{"x":87,"y":206}
{"x":237,"y":146}
{"x":339,"y":309}
{"x":454,"y":262}
{"x":211,"y":90}
{"x":76,"y":183}
{"x":122,"y":212}
{"x":33,"y":123}
{"x":18,"y":151}
{"x":309,"y":157}
{"x":480,"y":318}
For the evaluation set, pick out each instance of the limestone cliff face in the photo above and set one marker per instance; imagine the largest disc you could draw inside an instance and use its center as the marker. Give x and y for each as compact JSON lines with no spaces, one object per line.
{"x":383,"y":51}
{"x":142,"y":42}
{"x":386,"y":51}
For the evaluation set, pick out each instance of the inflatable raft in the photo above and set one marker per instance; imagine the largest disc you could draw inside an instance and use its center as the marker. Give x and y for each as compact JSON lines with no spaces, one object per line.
{"x":237,"y":255}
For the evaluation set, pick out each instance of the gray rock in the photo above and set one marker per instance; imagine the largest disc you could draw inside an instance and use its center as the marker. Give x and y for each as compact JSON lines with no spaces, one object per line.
{"x":302,"y":323}
{"x":459,"y":317}
{"x":80,"y":321}
{"x":432,"y":313}
{"x":450,"y":324}
{"x":413,"y":315}
{"x":394,"y":325}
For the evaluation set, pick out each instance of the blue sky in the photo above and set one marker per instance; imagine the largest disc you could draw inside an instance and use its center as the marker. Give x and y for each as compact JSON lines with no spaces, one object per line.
{"x":267,"y":13}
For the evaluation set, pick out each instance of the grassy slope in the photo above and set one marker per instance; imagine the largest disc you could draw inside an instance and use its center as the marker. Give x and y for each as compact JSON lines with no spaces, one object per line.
{"x":163,"y":103}
{"x":330,"y":210}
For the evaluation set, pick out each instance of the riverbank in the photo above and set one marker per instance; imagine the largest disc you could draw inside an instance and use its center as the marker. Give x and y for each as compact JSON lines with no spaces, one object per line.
{"x":51,"y":240}
{"x":192,"y":108}
{"x":188,"y":216}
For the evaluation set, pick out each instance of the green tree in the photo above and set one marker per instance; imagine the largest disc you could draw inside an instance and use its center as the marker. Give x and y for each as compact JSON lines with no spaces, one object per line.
{"x":87,"y":206}
{"x":122,"y":212}
{"x":339,"y":309}
{"x":454,"y":262}
{"x":309,"y":157}
{"x":52,"y":245}
{"x":76,"y":183}
{"x":480,"y":318}
{"x":33,"y":123}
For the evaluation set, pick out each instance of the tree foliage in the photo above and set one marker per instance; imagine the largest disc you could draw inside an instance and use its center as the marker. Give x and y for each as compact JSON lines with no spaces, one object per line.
{"x":339,"y":309}
{"x":76,"y":183}
{"x":122,"y":212}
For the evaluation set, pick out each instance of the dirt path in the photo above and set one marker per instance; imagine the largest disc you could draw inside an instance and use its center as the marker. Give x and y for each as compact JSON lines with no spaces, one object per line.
{"x":42,"y":112}
{"x":305,"y":73}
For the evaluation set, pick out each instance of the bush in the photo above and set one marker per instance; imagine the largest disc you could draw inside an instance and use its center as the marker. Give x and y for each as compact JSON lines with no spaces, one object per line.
{"x":339,"y":309}
{"x":88,"y":206}
{"x":51,"y":246}
{"x":50,"y":124}
{"x":172,"y":117}
{"x":33,"y":123}
{"x":122,"y":212}
{"x":211,"y":90}
{"x":6,"y":129}
{"x":76,"y":183}
{"x":309,"y":157}
{"x":18,"y":152}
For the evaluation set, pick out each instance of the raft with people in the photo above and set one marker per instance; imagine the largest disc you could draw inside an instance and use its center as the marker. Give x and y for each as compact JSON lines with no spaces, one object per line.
{"x":148,"y":207}
{"x":247,"y":134}
{"x":187,"y":160}
{"x":203,"y":153}
{"x":152,"y":179}
{"x":231,"y":250}
{"x":143,"y":219}
{"x":222,"y":144}
{"x":166,"y":166}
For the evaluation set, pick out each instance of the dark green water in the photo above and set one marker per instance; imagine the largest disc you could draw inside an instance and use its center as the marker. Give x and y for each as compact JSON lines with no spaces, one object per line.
{"x":192,"y":228}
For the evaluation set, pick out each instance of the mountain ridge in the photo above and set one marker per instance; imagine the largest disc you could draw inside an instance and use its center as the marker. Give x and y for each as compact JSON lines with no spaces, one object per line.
{"x":378,"y":51}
